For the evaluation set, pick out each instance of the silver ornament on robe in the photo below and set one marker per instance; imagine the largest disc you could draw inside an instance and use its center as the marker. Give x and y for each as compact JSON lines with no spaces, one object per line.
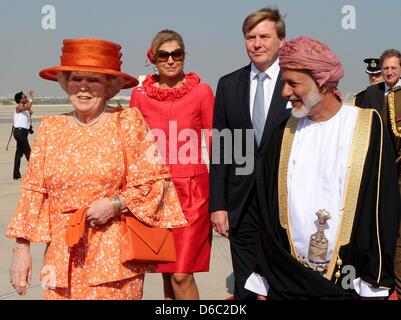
{"x":318,"y":245}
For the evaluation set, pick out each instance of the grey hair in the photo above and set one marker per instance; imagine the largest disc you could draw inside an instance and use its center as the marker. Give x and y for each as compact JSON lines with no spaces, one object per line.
{"x":113,"y":85}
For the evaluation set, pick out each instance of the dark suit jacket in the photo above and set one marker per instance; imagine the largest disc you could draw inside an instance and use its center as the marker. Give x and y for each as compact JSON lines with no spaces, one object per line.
{"x":397,"y":265}
{"x":374,"y":97}
{"x":228,"y":190}
{"x":357,"y":100}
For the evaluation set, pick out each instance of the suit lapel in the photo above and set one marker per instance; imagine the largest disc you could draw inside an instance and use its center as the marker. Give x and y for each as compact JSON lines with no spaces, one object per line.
{"x":243,"y":92}
{"x":277,"y":111}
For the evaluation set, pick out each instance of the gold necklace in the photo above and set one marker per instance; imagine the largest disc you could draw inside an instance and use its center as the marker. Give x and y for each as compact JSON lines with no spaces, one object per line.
{"x":90,"y":123}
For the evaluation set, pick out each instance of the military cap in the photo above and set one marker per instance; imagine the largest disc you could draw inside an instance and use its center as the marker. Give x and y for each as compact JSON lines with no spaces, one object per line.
{"x":373,"y":65}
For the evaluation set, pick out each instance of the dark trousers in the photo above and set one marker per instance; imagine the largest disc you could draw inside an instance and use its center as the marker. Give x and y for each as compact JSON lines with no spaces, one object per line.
{"x":23,"y":148}
{"x":243,"y":247}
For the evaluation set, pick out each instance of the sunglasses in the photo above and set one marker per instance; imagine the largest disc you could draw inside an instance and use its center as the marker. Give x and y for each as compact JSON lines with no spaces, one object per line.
{"x":177,"y":55}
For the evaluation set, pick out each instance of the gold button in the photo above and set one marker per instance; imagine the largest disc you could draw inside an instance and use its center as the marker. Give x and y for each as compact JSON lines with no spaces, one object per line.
{"x":339,"y":262}
{"x":338,"y":274}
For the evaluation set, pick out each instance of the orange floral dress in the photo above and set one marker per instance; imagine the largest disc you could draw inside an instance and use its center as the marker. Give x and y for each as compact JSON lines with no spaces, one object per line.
{"x":71,"y":167}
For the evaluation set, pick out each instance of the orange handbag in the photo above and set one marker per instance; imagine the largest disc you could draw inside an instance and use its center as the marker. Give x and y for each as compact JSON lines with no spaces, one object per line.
{"x":140,"y":242}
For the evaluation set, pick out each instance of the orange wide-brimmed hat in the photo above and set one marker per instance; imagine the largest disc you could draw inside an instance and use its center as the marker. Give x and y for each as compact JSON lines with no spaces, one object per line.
{"x":90,"y":55}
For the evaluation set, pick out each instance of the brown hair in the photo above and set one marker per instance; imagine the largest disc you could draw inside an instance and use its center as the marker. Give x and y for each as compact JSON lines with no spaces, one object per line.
{"x":389,"y":53}
{"x":166,"y":36}
{"x":267,"y":13}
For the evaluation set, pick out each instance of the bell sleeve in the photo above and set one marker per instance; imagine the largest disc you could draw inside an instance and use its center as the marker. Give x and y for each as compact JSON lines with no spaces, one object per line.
{"x":150,"y":194}
{"x":31,"y":220}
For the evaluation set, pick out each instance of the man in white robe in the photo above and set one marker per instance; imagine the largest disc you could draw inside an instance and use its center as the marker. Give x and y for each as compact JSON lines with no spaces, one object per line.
{"x":330,"y":208}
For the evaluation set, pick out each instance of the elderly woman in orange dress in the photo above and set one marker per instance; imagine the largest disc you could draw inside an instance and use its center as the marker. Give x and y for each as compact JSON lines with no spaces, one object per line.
{"x":77,"y":161}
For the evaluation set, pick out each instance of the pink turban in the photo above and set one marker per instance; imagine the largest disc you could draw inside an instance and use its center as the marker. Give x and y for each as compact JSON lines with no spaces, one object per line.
{"x":314,"y":56}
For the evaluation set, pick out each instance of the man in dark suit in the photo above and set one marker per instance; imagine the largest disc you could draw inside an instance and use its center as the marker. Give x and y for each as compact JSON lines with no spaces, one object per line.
{"x":248,"y":106}
{"x":374,"y":96}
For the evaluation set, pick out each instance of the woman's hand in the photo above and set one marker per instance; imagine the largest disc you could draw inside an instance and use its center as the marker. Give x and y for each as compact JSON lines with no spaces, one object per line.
{"x":100,"y":212}
{"x":21,"y":267}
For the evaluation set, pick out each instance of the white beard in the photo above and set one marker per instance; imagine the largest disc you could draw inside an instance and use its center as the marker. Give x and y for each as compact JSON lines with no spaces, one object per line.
{"x":311,"y":100}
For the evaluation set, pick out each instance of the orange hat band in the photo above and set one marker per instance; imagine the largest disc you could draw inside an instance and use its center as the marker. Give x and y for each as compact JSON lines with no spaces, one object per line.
{"x":84,"y":49}
{"x":90,"y":60}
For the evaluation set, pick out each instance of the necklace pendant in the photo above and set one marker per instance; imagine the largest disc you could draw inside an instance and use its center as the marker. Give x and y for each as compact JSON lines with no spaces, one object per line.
{"x":90,"y":123}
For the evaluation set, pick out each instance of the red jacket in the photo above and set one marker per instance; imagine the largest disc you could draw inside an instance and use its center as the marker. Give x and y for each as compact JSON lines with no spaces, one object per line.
{"x":170,"y":113}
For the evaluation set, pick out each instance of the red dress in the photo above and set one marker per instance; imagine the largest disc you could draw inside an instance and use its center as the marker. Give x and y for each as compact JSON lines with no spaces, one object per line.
{"x":177,"y":117}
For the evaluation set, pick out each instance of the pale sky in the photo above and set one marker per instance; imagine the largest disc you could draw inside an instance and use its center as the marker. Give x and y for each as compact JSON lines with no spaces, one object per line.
{"x":211,"y":30}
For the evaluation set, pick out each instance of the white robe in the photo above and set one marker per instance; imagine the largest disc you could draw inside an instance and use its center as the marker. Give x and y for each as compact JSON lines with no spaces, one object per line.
{"x":317,"y":173}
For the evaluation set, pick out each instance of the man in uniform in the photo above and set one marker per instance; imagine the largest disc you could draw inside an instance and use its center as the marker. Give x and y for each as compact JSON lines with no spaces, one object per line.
{"x":394,"y":106}
{"x":374,"y":96}
{"x":327,"y":190}
{"x":374,"y":70}
{"x":385,"y":97}
{"x":374,"y":75}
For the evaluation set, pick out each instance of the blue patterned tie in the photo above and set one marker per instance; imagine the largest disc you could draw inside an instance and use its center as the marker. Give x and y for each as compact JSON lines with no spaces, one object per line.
{"x":258,"y":113}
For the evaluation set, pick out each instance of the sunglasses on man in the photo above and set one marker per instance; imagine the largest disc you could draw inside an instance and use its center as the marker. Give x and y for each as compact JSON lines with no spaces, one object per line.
{"x":163,"y":56}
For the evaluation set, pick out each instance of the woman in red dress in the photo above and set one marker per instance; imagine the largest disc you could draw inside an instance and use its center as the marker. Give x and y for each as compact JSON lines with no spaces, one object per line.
{"x":179,"y":108}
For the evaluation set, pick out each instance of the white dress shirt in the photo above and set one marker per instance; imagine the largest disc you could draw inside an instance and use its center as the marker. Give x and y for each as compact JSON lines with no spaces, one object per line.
{"x":388,"y":89}
{"x":268,"y":85}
